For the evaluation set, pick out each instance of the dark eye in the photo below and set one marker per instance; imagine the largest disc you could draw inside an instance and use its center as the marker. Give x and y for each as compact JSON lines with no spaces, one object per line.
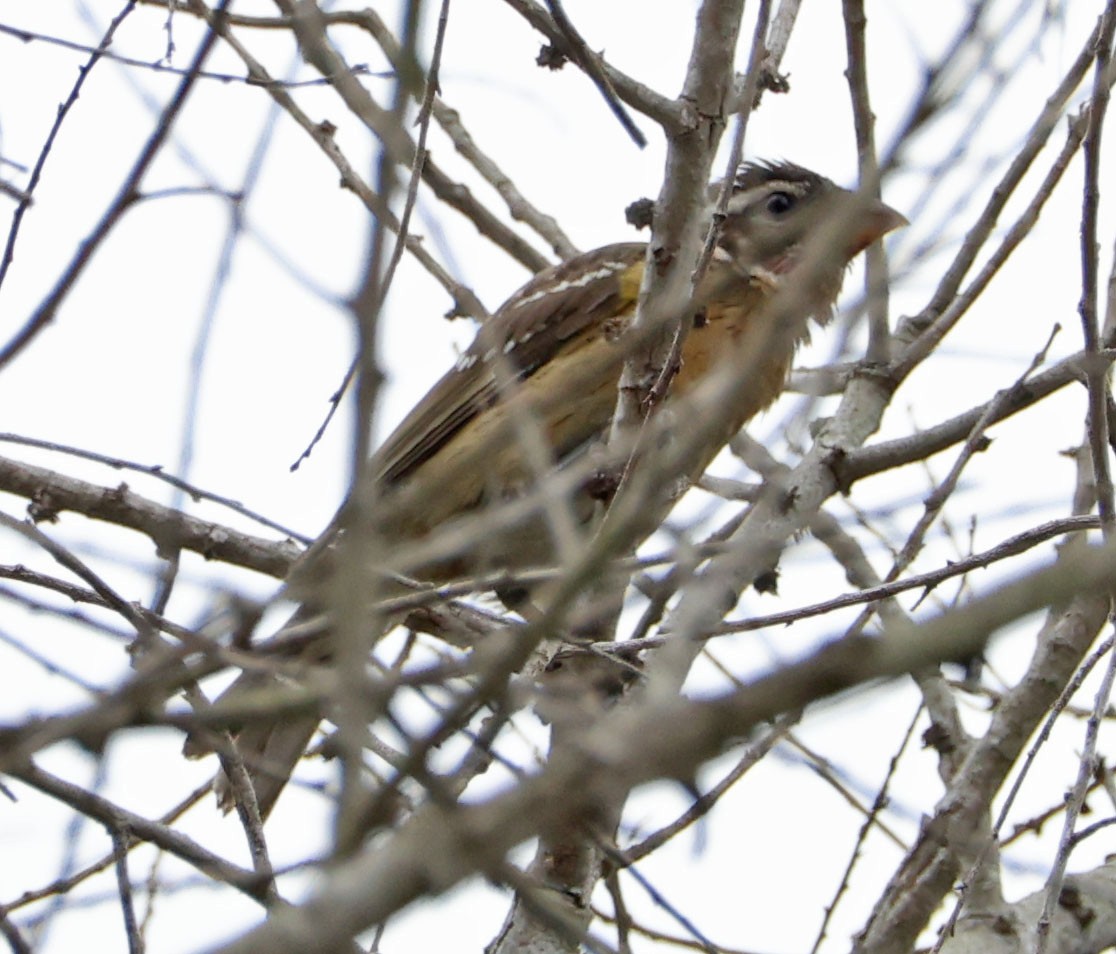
{"x":779,"y":203}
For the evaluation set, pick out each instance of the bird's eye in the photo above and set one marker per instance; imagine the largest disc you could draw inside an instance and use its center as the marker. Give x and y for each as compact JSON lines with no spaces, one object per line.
{"x":779,"y":203}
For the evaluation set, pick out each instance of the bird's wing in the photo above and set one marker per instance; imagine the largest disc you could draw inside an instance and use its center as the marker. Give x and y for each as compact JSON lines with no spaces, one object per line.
{"x":533,"y":326}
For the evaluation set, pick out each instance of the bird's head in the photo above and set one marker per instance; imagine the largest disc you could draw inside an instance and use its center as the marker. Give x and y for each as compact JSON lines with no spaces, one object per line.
{"x":775,"y":207}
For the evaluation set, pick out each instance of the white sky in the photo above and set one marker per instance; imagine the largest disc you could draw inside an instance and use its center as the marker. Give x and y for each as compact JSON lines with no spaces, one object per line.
{"x":113,"y":373}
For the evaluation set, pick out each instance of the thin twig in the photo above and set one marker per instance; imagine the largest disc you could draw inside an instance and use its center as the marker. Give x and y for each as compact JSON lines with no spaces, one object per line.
{"x":157,"y":472}
{"x":871,"y":819}
{"x":464,"y":300}
{"x":1096,"y":372}
{"x":974,"y":442}
{"x":124,"y":889}
{"x":45,"y":313}
{"x":940,"y":313}
{"x":173,"y":842}
{"x":587,"y":60}
{"x":864,"y":124}
{"x":164,"y":66}
{"x":63,"y":112}
{"x":51,"y":493}
{"x":662,"y":109}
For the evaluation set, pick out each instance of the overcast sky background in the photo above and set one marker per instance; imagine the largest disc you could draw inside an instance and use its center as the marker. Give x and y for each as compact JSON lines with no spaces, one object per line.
{"x":114,"y":374}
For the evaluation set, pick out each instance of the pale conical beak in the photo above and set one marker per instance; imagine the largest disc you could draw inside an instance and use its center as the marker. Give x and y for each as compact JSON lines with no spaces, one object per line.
{"x":875,"y":222}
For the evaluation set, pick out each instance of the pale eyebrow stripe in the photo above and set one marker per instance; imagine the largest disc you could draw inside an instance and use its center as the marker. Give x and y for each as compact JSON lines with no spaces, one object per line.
{"x":742,"y":200}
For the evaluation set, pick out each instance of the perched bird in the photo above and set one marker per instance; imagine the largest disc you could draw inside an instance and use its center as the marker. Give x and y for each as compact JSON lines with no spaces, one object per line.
{"x":550,"y":360}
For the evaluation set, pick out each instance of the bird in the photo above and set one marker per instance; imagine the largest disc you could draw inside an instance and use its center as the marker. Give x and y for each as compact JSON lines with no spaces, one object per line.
{"x":552,"y":356}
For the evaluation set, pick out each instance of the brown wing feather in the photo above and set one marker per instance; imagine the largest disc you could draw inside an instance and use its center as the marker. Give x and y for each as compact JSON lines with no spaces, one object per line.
{"x":444,"y":410}
{"x":529,"y":330}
